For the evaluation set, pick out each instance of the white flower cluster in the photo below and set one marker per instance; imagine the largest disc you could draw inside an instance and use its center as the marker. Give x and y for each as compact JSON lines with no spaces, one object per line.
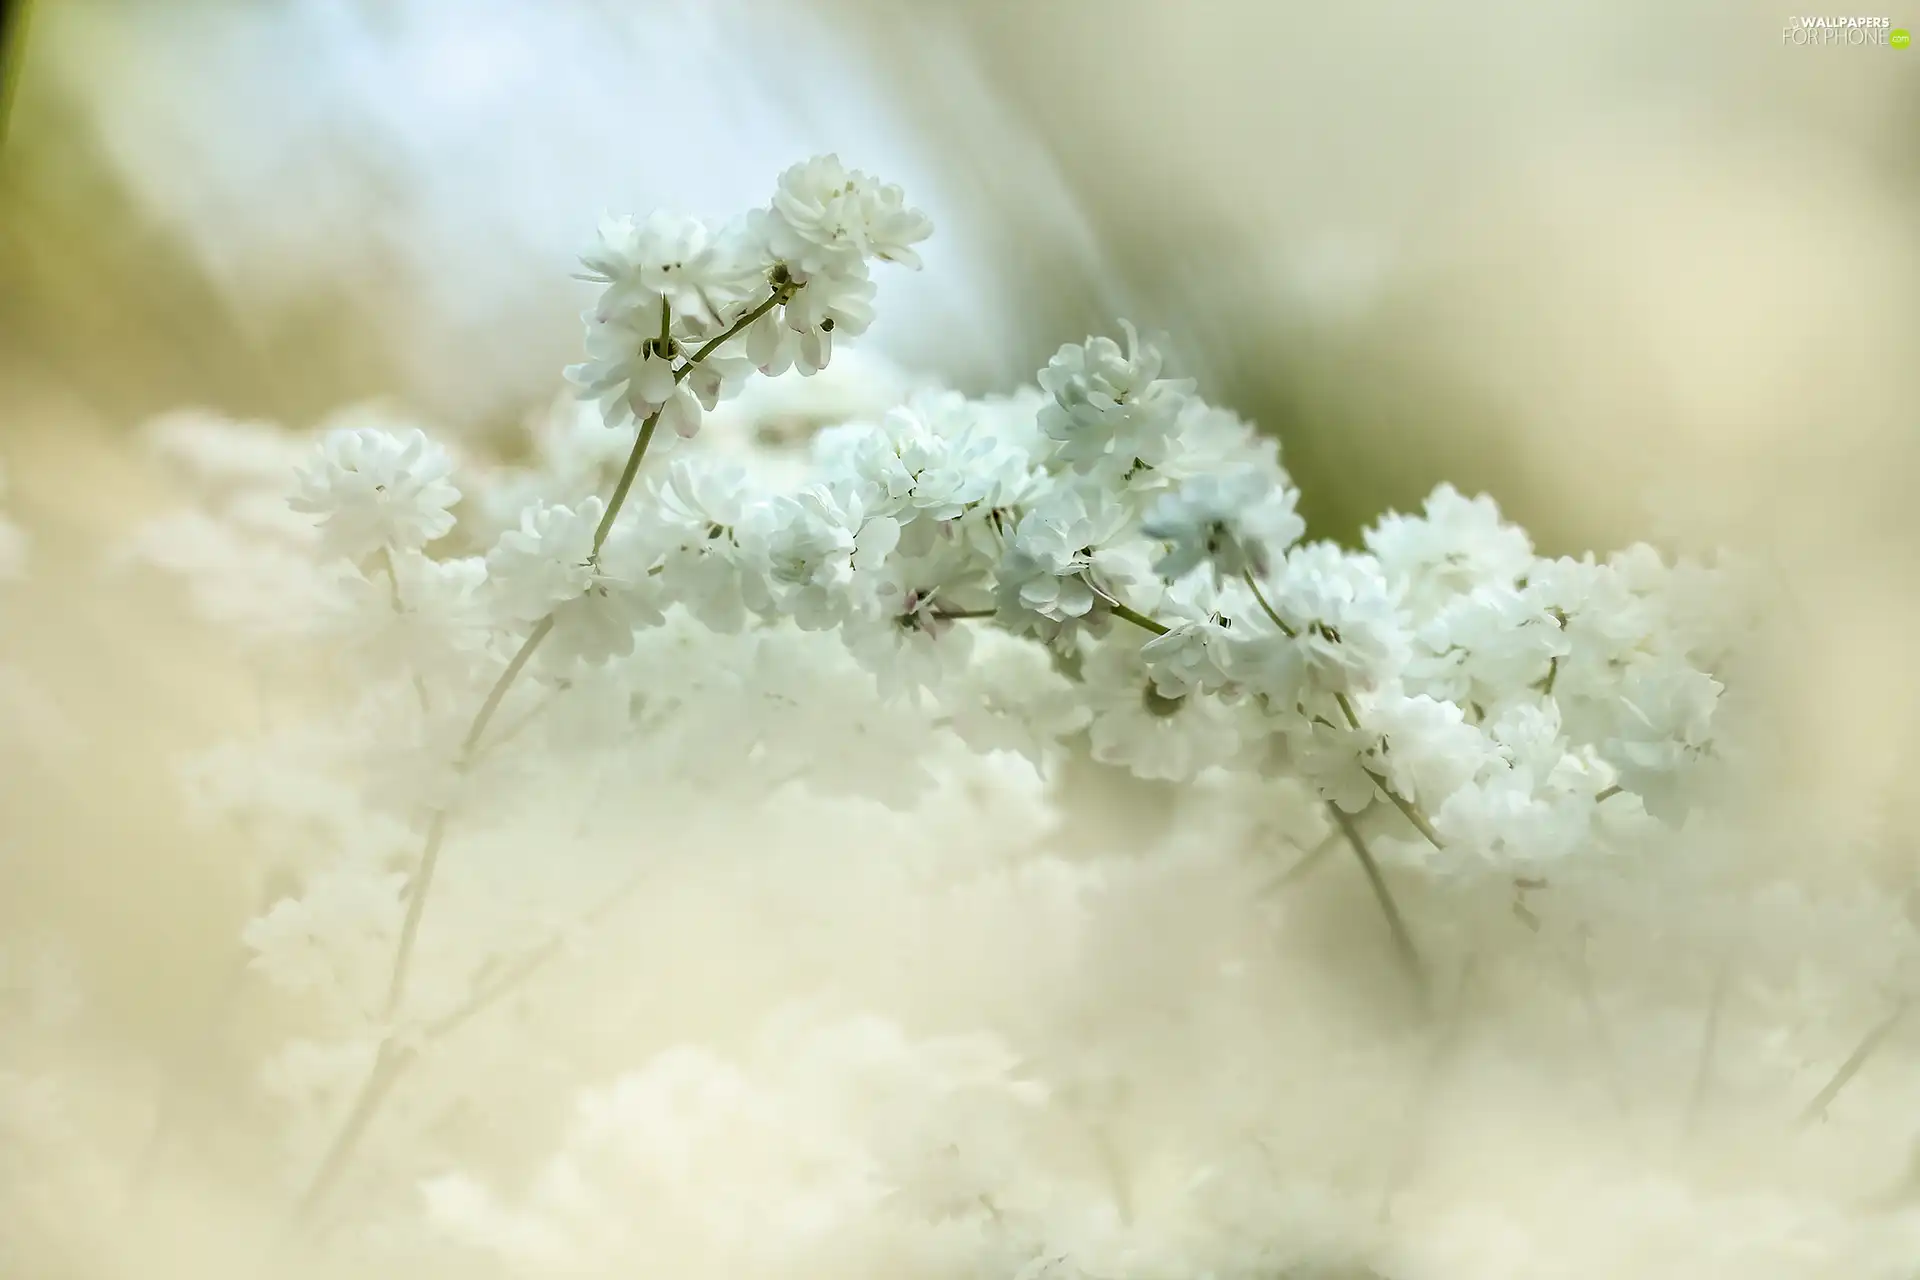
{"x":788,"y":278}
{"x":959,"y":608}
{"x":1520,"y":709}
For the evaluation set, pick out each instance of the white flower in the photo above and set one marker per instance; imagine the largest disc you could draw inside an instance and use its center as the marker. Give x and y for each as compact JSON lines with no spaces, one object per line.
{"x":1010,"y":697}
{"x":1217,"y":442}
{"x":667,"y":258}
{"x":703,"y":507}
{"x":548,"y":559}
{"x":1335,"y":759}
{"x":909,"y":643}
{"x":1136,"y":726}
{"x":910,"y":469}
{"x":629,"y":373}
{"x":1052,"y":572}
{"x":414,"y":615}
{"x":1426,"y":749}
{"x":800,"y":334}
{"x":1112,"y":414}
{"x":621,"y":598}
{"x":1456,"y":545}
{"x":1341,"y":612}
{"x":337,"y":937}
{"x":1662,"y":724}
{"x":374,"y":490}
{"x":1488,"y":645}
{"x":548,"y":567}
{"x":808,"y":546}
{"x":712,"y":380}
{"x":826,"y":217}
{"x":1236,"y":522}
{"x":1192,"y":657}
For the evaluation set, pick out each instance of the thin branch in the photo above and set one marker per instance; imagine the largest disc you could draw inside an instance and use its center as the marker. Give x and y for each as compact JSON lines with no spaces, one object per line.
{"x":1709,"y":1044}
{"x":1406,"y":807}
{"x":437,"y":825}
{"x":1817,"y":1109}
{"x":387,"y":1064}
{"x":1403,"y":947}
{"x":520,"y":726}
{"x":624,"y":485}
{"x":526,"y":968}
{"x":1126,"y":613}
{"x":1306,"y":863}
{"x":1602,"y":1029}
{"x":1259,"y":595}
{"x":390,"y":1060}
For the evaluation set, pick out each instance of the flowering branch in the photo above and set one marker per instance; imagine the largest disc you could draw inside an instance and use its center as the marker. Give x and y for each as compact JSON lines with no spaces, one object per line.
{"x":437,"y":826}
{"x":1048,"y":508}
{"x":636,"y":264}
{"x":1400,"y":802}
{"x":1403,"y":946}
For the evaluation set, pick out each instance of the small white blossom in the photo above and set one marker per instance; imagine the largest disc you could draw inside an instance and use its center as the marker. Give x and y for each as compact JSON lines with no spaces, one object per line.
{"x":671,"y":259}
{"x":1112,"y":413}
{"x":1455,"y":545}
{"x":1341,"y":612}
{"x":1237,"y":522}
{"x":1192,"y":657}
{"x":414,"y":615}
{"x":548,"y":559}
{"x":335,"y":938}
{"x":807,"y":548}
{"x":1137,"y":726}
{"x":826,"y":217}
{"x":548,"y":567}
{"x":374,"y":490}
{"x":630,"y":373}
{"x":1058,"y":570}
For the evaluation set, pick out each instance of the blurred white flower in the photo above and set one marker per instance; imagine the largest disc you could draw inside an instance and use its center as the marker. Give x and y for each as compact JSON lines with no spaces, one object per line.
{"x":373,"y":490}
{"x":1112,"y":413}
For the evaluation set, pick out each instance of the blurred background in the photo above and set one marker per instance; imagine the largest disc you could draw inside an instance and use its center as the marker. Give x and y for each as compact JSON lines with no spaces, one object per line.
{"x":1641,"y":269}
{"x":1509,"y":244}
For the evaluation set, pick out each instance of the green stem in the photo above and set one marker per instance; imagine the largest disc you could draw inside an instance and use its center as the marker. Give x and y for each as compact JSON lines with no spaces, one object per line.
{"x":437,"y":825}
{"x":1259,"y":595}
{"x":1709,"y":1043}
{"x":400,"y":609}
{"x":1856,"y":1060}
{"x":733,"y":330}
{"x":1305,"y":864}
{"x":390,"y":1061}
{"x":1127,"y":613}
{"x":1407,"y":808}
{"x":624,"y":485}
{"x":1403,"y":947}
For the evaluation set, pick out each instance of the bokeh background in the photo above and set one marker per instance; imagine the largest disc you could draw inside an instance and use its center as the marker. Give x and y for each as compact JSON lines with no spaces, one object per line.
{"x":1501,"y":243}
{"x":1639,"y":269}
